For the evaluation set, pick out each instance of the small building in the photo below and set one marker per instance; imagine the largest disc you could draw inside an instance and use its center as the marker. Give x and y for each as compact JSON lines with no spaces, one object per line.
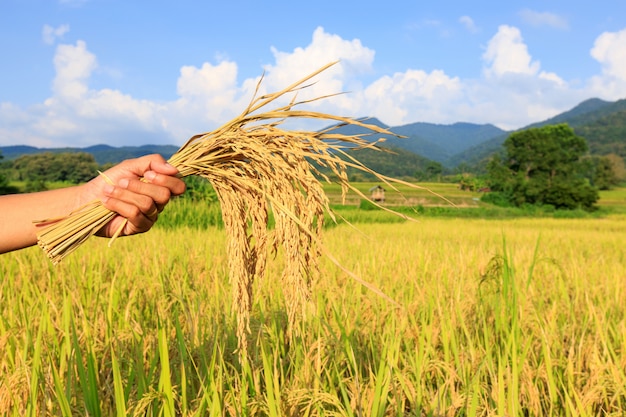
{"x":377,"y":194}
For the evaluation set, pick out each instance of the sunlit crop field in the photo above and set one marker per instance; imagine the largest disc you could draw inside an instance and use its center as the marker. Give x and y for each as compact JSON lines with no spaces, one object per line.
{"x":493,"y":317}
{"x":429,"y":194}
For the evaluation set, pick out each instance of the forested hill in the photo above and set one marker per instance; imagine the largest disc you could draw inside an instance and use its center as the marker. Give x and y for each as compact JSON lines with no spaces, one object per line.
{"x":436,"y":142}
{"x":440,"y":142}
{"x":103,"y":154}
{"x":601,"y":123}
{"x":392,"y":162}
{"x":606,"y":134}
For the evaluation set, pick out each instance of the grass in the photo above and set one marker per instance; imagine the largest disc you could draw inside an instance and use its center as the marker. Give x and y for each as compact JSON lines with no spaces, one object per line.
{"x":499,"y":317}
{"x":614,"y":199}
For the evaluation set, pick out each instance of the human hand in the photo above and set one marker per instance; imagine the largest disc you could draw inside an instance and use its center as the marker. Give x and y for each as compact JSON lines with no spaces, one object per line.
{"x":133,"y":199}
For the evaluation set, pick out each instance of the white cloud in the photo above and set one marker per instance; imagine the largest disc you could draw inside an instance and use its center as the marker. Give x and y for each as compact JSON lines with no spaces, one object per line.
{"x":469,"y":24}
{"x":207,"y":80}
{"x":50,"y":34}
{"x":610,"y":51}
{"x":398,"y":99}
{"x":208,"y":96}
{"x":507,"y":53}
{"x":73,"y":65}
{"x":324,"y":48}
{"x":76,"y":115}
{"x":535,"y":18}
{"x":513,"y":91}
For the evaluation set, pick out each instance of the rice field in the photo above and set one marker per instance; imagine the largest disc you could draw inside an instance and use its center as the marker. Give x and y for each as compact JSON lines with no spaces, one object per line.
{"x":399,"y":195}
{"x":500,"y":317}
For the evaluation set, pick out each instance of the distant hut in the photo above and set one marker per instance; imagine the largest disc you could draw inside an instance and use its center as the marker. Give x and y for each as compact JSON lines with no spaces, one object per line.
{"x":377,"y":194}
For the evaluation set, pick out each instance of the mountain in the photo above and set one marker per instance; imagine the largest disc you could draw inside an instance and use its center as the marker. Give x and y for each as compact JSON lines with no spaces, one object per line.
{"x":103,"y":154}
{"x":584,"y":113}
{"x":606,"y":135}
{"x":441,"y":142}
{"x":390,"y":161}
{"x":436,"y":142}
{"x":602,"y":123}
{"x":592,"y":119}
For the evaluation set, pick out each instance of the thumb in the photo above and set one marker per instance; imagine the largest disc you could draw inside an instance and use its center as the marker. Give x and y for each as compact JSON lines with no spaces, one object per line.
{"x":154,"y":162}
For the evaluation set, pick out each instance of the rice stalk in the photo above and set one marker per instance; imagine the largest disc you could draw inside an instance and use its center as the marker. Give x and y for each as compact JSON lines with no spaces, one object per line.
{"x":256,"y":167}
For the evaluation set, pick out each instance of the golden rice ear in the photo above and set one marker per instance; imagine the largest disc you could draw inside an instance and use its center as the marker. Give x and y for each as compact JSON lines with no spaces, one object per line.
{"x":257,"y":167}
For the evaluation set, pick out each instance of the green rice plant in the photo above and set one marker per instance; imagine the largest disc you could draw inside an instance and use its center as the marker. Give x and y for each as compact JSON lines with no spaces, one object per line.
{"x":61,"y":397}
{"x":383,"y":379}
{"x":272,"y":402}
{"x":87,"y":370}
{"x":183,"y":212}
{"x":35,"y":373}
{"x":118,"y":387}
{"x":165,"y":384}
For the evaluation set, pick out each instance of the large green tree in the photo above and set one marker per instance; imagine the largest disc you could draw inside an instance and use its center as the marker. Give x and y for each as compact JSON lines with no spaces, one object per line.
{"x":72,"y":167}
{"x":543,"y":166}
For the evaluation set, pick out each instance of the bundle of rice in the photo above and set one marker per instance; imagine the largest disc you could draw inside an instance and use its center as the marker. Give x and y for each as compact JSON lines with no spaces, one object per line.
{"x":254,"y":166}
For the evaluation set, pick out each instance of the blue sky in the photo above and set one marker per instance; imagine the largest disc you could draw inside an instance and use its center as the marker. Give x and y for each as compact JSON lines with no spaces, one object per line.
{"x":82,"y":72}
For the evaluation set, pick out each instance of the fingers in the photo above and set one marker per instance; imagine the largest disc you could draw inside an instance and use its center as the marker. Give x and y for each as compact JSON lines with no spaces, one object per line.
{"x":137,"y":191}
{"x":134,"y":221}
{"x":155,"y":162}
{"x":142,"y":187}
{"x":140,"y":207}
{"x":175,"y":185}
{"x":153,"y":168}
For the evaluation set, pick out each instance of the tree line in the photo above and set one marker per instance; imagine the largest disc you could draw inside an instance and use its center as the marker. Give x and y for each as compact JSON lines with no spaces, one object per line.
{"x":38,"y":170}
{"x":548,"y":165}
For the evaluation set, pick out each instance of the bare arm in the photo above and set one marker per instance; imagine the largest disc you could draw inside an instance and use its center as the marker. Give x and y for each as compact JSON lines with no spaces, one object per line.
{"x":139,"y":202}
{"x":18,"y":211}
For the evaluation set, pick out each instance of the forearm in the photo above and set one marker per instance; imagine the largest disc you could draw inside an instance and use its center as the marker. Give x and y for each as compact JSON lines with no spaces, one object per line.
{"x":19,"y":211}
{"x":136,"y":189}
